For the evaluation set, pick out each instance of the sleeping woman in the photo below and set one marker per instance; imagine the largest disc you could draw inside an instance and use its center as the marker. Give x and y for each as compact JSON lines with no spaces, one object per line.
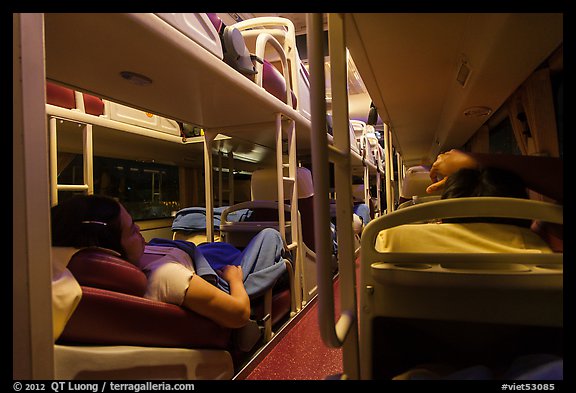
{"x":98,"y":221}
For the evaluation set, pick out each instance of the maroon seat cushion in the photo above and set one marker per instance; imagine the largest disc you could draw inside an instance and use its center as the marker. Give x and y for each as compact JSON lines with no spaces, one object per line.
{"x":111,"y":318}
{"x":98,"y":268}
{"x":306,"y":208}
{"x":112,"y":310}
{"x":65,"y":98}
{"x":272,"y":80}
{"x":60,"y":96}
{"x":93,"y":105}
{"x":274,"y":83}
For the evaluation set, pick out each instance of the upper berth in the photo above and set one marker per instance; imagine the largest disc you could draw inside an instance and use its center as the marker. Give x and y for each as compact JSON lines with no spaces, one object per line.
{"x":142,"y":61}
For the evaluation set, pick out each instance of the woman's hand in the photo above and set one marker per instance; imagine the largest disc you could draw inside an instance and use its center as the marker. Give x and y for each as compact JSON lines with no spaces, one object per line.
{"x":229,"y":310}
{"x":231,"y":273}
{"x":445,"y":165}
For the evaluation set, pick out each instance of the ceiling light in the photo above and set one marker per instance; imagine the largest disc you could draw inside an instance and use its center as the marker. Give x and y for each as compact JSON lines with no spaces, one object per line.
{"x":137,"y":79}
{"x":477,"y":111}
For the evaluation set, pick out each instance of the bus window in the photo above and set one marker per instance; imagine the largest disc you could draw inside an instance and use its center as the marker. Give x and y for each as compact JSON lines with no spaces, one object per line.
{"x":147,"y":190}
{"x":502,"y":140}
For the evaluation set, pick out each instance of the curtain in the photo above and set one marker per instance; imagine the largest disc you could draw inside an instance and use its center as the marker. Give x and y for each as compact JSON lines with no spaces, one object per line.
{"x":532,"y":115}
{"x":533,"y":118}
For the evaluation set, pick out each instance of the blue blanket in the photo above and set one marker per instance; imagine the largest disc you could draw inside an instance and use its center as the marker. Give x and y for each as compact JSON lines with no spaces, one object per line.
{"x":194,"y":218}
{"x":261,"y":260}
{"x":363,"y":211}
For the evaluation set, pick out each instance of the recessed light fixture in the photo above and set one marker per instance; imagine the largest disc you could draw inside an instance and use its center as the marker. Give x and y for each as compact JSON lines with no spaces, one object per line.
{"x":477,"y":111}
{"x":137,"y":79}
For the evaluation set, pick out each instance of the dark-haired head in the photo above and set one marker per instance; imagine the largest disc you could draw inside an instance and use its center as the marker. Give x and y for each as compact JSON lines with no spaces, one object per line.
{"x":486,"y":182}
{"x":87,"y":221}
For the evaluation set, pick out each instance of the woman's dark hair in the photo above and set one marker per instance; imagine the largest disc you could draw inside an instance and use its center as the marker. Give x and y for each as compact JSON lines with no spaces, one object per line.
{"x":87,"y":221}
{"x":492,"y":182}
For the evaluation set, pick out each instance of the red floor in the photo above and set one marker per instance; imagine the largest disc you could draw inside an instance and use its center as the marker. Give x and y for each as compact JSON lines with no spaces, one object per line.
{"x":301,"y":353}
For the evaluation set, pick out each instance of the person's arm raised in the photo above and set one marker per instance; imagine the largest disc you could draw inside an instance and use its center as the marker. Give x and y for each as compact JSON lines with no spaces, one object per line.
{"x":447,"y":164}
{"x":543,"y":175}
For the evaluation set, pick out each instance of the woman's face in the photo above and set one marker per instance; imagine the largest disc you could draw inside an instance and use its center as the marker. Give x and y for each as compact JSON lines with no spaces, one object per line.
{"x":131,"y":240}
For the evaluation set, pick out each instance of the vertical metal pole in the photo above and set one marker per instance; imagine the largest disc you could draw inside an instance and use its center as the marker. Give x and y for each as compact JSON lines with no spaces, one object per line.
{"x":333,"y":334}
{"x":400,"y":170}
{"x":389,"y":170}
{"x":295,"y":223}
{"x":220,"y":177}
{"x":53,"y":162}
{"x":378,"y":186}
{"x":208,"y":138}
{"x":89,"y":158}
{"x":320,"y":172}
{"x":342,"y":175}
{"x":230,"y":178}
{"x":366,"y":183}
{"x":280,"y":178}
{"x":292,"y":174}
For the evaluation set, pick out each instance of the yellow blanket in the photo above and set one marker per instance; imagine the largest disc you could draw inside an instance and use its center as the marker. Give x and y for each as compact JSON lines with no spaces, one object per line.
{"x":468,"y":237}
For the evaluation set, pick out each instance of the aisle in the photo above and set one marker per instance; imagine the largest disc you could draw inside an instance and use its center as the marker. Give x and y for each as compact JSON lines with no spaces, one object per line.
{"x":302,"y":354}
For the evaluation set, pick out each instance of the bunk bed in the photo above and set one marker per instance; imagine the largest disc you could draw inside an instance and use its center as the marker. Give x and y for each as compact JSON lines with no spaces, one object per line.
{"x":493,"y":295}
{"x":225,"y":102}
{"x":136,"y":93}
{"x":373,"y":160}
{"x":417,"y":306}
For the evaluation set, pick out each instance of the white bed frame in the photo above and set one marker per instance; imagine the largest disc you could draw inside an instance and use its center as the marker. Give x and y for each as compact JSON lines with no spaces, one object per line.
{"x":396,"y":284}
{"x":511,"y":288}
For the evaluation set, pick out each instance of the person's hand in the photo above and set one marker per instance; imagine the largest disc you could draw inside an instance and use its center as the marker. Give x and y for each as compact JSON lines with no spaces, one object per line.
{"x":445,"y":165}
{"x":231,"y":273}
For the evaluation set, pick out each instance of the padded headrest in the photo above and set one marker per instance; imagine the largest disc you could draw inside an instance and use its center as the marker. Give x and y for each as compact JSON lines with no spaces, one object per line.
{"x":305,"y":184}
{"x":99,"y":268}
{"x":371,"y":135}
{"x":415,"y":182}
{"x":358,"y":192}
{"x":66,"y":98}
{"x":93,"y":105}
{"x":60,"y":96}
{"x":274,"y":83}
{"x":263,"y":184}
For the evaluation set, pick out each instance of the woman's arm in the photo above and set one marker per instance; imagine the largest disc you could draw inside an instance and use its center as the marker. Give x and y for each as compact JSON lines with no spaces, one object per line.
{"x":229,"y":310}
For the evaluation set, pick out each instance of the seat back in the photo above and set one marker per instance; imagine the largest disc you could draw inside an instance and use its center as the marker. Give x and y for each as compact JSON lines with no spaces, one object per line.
{"x":415,"y":182}
{"x":262,"y":189}
{"x":237,"y":55}
{"x":66,"y":98}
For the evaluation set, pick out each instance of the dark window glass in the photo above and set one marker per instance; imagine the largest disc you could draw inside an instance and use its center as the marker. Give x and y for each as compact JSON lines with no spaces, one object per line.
{"x":147,"y":190}
{"x":502,"y":140}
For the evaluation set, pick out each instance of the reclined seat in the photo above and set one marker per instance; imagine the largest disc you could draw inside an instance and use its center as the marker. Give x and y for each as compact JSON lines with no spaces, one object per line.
{"x":115,"y":332}
{"x":414,"y":184}
{"x":236,"y":55}
{"x":269,"y":309}
{"x":276,"y":305}
{"x":263,"y":193}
